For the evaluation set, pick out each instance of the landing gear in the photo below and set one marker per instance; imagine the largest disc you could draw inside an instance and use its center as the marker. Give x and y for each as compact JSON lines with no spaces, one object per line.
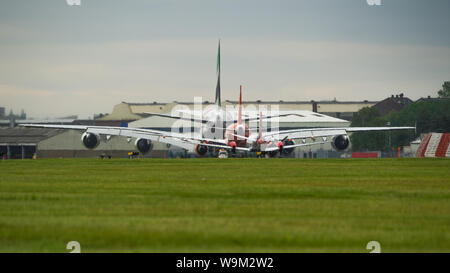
{"x":223,"y":154}
{"x":272,"y":154}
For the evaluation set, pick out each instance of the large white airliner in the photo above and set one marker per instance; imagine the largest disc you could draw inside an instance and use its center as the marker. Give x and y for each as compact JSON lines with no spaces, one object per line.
{"x":220,"y":131}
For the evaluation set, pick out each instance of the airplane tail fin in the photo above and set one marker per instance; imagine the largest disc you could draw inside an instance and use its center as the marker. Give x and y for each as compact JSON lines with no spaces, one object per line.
{"x":240,"y":106}
{"x":218,"y":77}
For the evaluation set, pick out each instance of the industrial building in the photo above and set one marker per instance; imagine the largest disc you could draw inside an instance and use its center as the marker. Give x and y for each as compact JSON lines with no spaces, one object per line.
{"x":68,"y":144}
{"x":20,"y":143}
{"x":24,"y":143}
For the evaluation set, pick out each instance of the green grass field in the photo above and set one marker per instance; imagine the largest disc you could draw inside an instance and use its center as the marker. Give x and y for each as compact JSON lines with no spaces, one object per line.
{"x":233,"y":205}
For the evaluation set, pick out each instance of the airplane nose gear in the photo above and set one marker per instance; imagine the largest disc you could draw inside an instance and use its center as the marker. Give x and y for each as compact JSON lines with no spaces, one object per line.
{"x":223,"y":154}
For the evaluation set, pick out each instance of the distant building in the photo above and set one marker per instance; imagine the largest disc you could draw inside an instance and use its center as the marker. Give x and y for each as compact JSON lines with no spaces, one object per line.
{"x":2,"y":112}
{"x":23,"y":143}
{"x":429,"y":98}
{"x":20,"y":143}
{"x":393,"y":103}
{"x":11,"y":114}
{"x":74,"y":117}
{"x":122,"y":113}
{"x":13,"y":122}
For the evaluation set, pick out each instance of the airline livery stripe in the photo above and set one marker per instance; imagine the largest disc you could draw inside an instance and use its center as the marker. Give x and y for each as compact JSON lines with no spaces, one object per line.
{"x":443,"y":145}
{"x":433,"y":144}
{"x":423,"y":146}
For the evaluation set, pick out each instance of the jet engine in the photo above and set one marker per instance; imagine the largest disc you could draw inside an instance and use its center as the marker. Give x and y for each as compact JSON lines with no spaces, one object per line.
{"x":90,"y":140}
{"x":274,"y":153}
{"x":143,"y":145}
{"x":288,"y":151}
{"x":201,"y":150}
{"x":340,"y":142}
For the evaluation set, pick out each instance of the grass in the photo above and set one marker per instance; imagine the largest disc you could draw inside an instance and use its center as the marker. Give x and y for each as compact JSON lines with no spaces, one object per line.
{"x":233,"y":205}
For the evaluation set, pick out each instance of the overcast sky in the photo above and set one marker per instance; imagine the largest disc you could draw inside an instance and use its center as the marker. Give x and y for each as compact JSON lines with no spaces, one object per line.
{"x":57,"y":60}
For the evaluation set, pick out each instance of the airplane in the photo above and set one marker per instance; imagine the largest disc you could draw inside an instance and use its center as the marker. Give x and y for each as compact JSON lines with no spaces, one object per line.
{"x":214,"y":119}
{"x":222,"y":133}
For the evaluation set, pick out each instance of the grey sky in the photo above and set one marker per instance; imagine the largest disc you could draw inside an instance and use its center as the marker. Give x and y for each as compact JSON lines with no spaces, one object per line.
{"x":58,"y":60}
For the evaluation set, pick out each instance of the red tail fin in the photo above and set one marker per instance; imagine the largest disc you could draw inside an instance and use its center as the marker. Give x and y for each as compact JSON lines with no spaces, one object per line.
{"x":240,"y":106}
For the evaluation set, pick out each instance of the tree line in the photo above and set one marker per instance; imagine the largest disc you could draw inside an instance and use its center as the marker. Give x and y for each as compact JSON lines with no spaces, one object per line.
{"x":427,"y":115}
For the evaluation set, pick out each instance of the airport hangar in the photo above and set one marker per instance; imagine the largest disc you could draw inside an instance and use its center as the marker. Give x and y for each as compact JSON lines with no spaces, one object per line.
{"x":50,"y":143}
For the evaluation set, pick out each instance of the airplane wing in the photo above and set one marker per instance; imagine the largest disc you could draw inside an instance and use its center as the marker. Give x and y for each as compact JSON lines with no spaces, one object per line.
{"x":225,"y":147}
{"x":275,"y":148}
{"x":178,"y":140}
{"x":326,"y":132}
{"x":366,"y":129}
{"x":192,"y":119}
{"x":247,"y":118}
{"x":105,"y":130}
{"x":199,"y":139}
